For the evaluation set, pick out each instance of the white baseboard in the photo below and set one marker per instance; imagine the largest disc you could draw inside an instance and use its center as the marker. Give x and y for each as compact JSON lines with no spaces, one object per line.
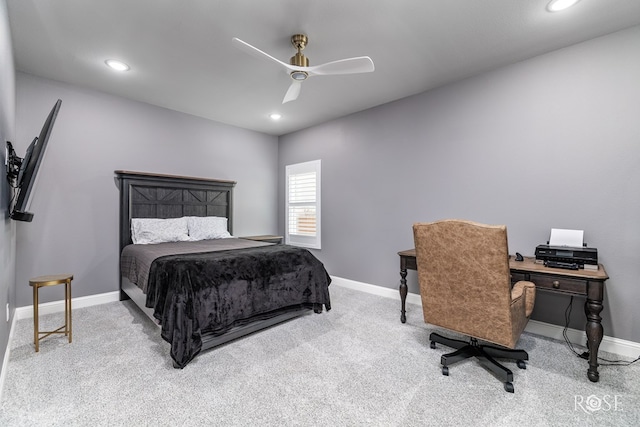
{"x":58,"y":306}
{"x":7,"y":354}
{"x":609,"y":344}
{"x":375,"y":290}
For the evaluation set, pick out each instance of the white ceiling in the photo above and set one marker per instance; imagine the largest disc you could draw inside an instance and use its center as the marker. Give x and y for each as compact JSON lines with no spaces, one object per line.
{"x":182,"y":58}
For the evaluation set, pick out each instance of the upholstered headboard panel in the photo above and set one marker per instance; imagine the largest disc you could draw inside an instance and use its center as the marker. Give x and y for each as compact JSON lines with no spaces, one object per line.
{"x":144,"y":195}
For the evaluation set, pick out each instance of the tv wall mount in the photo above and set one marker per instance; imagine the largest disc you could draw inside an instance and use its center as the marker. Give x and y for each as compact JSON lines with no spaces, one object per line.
{"x":13,"y":162}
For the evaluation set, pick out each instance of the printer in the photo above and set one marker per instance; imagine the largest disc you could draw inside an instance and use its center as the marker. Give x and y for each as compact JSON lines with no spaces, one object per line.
{"x":566,"y":249}
{"x":568,"y":257}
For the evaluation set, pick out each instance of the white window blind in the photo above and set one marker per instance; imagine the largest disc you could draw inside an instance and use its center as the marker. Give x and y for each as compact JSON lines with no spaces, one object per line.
{"x":303,"y":204}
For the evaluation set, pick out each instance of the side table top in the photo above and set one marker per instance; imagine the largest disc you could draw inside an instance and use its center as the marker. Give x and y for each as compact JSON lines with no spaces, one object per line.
{"x":53,"y":279}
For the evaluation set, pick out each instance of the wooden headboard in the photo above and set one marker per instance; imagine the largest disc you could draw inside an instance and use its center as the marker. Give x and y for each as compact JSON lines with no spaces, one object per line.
{"x":145,"y":195}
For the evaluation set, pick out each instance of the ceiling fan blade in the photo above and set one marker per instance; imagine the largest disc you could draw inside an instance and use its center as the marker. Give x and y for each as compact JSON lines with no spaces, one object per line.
{"x":246,"y":47}
{"x":292,"y":92}
{"x":360,"y":64}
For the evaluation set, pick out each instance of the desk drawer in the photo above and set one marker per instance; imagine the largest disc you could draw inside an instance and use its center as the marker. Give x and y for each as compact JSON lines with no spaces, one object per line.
{"x":560,"y":284}
{"x":552,"y":283}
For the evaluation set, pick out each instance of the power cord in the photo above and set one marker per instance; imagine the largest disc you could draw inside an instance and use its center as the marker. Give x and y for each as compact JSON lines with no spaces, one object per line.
{"x":567,"y":317}
{"x":585,"y":354}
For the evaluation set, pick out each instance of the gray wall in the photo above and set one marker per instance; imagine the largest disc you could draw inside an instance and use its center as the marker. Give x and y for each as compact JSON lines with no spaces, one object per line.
{"x":552,"y":142}
{"x":7,"y":122}
{"x":75,"y":228}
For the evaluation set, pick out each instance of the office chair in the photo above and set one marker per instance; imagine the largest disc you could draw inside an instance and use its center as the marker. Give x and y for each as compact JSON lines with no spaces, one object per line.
{"x":465,"y":286}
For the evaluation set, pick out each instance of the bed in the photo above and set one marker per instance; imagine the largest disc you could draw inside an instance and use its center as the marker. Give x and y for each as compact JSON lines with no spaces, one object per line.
{"x":207,"y":292}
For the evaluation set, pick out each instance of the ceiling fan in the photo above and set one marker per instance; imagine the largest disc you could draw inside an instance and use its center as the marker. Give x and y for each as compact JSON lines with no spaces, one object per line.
{"x":299,"y":69}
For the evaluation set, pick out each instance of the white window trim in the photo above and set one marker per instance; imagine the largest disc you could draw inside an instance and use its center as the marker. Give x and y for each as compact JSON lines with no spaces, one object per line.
{"x":313,"y":242}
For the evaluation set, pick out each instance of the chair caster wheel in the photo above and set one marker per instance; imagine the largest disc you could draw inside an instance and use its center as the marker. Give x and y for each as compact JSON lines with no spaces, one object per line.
{"x":433,"y":344}
{"x":445,"y":370}
{"x":509,"y":387}
{"x":521,"y":364}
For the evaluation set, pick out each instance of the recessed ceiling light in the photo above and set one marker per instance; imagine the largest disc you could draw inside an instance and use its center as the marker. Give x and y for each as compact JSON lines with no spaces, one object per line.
{"x":275,"y":116}
{"x":116,"y":65}
{"x":557,"y":5}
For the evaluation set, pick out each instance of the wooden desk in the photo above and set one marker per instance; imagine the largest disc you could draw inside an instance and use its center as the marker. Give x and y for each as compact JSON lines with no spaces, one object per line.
{"x":583,"y":283}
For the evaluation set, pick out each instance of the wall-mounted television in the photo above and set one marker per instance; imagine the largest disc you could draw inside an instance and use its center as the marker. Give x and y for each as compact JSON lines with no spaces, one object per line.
{"x":22,"y":173}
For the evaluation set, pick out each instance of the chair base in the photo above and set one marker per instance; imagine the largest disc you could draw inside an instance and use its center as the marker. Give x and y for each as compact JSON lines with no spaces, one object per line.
{"x":486,"y":354}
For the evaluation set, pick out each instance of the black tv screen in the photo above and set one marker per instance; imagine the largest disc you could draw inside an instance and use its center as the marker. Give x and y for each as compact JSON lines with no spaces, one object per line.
{"x":29,"y":168}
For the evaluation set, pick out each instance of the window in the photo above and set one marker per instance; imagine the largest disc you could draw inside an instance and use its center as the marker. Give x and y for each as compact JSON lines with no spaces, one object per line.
{"x":303,"y":204}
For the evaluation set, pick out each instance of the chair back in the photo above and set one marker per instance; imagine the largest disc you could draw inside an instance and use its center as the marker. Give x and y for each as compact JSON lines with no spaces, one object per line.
{"x":464,"y":277}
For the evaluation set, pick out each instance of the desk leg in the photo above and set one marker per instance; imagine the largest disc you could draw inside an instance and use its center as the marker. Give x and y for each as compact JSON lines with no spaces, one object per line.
{"x":592,"y":309}
{"x":403,"y":294}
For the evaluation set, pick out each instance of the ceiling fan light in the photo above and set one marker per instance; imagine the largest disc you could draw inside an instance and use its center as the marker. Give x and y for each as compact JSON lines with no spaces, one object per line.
{"x":299,"y":75}
{"x":558,"y":5}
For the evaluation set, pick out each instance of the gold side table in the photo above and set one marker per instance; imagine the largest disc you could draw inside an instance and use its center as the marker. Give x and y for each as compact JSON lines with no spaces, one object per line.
{"x":52,"y":280}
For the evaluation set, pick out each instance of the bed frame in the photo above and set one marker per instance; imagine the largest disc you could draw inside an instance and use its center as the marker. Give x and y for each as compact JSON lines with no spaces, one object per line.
{"x":145,"y":195}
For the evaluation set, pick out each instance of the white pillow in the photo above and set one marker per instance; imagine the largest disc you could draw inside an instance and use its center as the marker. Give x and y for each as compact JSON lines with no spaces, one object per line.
{"x":207,"y":227}
{"x":155,"y":230}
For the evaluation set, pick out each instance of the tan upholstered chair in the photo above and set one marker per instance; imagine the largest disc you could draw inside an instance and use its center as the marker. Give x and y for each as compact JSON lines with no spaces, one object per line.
{"x":465,"y":286}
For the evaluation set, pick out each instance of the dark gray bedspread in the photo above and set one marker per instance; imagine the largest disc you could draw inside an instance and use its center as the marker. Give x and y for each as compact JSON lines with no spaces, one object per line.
{"x":136,"y":260}
{"x":212,"y":292}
